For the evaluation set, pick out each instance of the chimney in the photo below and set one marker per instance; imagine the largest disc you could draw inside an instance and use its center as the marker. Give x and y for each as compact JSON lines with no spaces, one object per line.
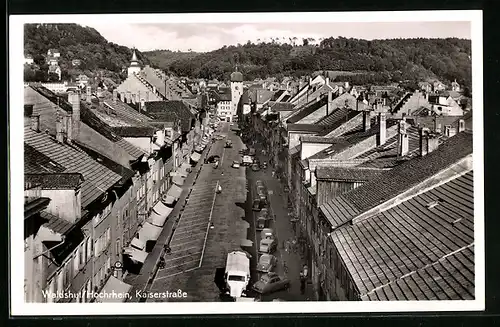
{"x":160,"y":137}
{"x":461,"y":125}
{"x":366,"y":120}
{"x":133,"y":98}
{"x":128,"y":97}
{"x":402,"y":139}
{"x":432,"y":142}
{"x":424,"y":141}
{"x":35,"y":122}
{"x":329,"y":105}
{"x":147,"y":96}
{"x":99,"y":92}
{"x":437,"y":126}
{"x":310,"y":80}
{"x":447,"y":130}
{"x":115,"y":95}
{"x":382,"y":128}
{"x":74,"y":99}
{"x":346,"y":85}
{"x":69,"y":128}
{"x":59,"y":130}
{"x":327,"y":81}
{"x":341,"y":90}
{"x":89,"y":94}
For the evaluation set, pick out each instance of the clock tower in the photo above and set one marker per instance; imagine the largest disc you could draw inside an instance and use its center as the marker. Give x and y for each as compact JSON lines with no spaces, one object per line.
{"x":236,"y":91}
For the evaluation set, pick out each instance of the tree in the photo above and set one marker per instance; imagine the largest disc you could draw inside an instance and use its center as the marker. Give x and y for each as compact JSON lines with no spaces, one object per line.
{"x":305,"y":42}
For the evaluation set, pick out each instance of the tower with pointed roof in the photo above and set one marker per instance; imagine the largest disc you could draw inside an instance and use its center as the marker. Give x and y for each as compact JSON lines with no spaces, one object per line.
{"x":236,"y":90}
{"x":135,"y":65}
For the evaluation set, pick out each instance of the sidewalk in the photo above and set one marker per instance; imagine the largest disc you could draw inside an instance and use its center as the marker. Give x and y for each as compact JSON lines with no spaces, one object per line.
{"x":142,"y":281}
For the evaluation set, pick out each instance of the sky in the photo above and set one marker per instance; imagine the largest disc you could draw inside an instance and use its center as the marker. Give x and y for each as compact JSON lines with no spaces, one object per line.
{"x":211,"y":36}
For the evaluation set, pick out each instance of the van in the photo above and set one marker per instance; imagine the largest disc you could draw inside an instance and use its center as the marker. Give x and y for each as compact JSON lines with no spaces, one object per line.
{"x":237,"y":273}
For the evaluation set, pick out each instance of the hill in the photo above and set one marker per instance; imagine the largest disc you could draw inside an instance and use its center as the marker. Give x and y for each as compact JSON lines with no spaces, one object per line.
{"x":97,"y":55}
{"x":164,"y":58}
{"x":377,"y":61}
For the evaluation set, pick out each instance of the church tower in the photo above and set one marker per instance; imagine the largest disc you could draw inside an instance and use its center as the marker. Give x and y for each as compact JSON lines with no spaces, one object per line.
{"x":135,"y":66}
{"x":236,"y":91}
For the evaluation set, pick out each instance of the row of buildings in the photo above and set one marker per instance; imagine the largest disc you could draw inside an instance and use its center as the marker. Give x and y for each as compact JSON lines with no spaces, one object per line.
{"x":102,"y":174}
{"x":381,"y":188}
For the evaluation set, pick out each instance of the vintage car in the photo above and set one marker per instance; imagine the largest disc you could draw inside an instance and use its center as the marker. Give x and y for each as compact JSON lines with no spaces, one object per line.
{"x":261,"y":223}
{"x":270,"y":283}
{"x":266,"y":263}
{"x":256,"y":205}
{"x":236,"y":164}
{"x":255,"y":167}
{"x":267,"y":245}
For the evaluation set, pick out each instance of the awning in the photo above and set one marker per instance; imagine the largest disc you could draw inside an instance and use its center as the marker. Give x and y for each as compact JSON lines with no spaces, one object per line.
{"x":195,"y":157}
{"x":137,"y":243}
{"x":136,"y":255}
{"x":178,"y":173}
{"x":168,"y":199}
{"x":149,"y":232}
{"x":178,"y":180}
{"x":159,"y":214}
{"x":175,"y":191}
{"x":114,"y":291}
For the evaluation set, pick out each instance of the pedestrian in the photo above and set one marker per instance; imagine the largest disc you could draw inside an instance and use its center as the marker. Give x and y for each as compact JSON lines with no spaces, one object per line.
{"x":302,"y":284}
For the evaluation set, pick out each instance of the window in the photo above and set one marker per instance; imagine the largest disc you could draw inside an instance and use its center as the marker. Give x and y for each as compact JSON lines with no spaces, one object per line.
{"x":108,"y":236}
{"x":108,"y":265}
{"x":89,"y":249}
{"x":118,"y":247}
{"x":82,"y":255}
{"x":76,"y":261}
{"x":97,"y":248}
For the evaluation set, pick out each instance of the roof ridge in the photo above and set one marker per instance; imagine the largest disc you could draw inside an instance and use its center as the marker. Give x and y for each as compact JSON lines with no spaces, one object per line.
{"x":439,"y":260}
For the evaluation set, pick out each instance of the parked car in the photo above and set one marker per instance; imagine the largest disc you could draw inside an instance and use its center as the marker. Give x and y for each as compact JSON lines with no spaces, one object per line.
{"x":262,"y":222}
{"x":270,"y":283}
{"x":255,"y":167}
{"x":256,"y":206}
{"x":263,"y":165}
{"x":229,"y":144}
{"x":235,"y":164}
{"x":266,"y":263}
{"x":267,"y":233}
{"x":216,"y":164}
{"x":259,"y":183}
{"x":267,"y":245}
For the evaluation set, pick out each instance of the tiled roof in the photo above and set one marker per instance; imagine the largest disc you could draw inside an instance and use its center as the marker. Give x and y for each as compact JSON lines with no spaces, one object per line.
{"x":92,"y":129}
{"x":124,"y":172}
{"x":36,"y":162}
{"x":294,"y":150}
{"x":224,"y":96}
{"x":58,"y":181}
{"x":307,"y":110}
{"x":55,"y":223}
{"x":304,"y":128}
{"x":171,"y":111}
{"x":347,"y":174}
{"x":281,"y":106}
{"x":134,"y":131}
{"x":150,"y":75}
{"x":124,"y":110}
{"x":422,"y":249}
{"x":97,"y":178}
{"x":277,"y":95}
{"x":401,"y":178}
{"x":338,"y":116}
{"x":33,"y":205}
{"x":318,"y":139}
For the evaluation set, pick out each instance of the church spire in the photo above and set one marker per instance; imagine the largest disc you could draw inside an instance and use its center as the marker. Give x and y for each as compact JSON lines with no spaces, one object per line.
{"x":134,"y":56}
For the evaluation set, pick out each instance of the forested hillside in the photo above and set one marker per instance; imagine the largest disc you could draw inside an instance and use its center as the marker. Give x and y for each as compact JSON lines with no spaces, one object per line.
{"x":164,"y":58}
{"x":377,"y":61}
{"x":97,"y":55}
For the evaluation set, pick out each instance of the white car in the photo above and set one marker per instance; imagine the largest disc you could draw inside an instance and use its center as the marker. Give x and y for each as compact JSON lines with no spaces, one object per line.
{"x":267,"y":245}
{"x":235,"y":164}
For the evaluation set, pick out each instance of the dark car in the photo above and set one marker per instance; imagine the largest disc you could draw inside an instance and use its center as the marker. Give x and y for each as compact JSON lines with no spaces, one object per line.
{"x":255,"y":167}
{"x":270,"y":283}
{"x":229,"y":144}
{"x":213,"y":159}
{"x":262,"y":222}
{"x":256,"y":205}
{"x":263,"y":165}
